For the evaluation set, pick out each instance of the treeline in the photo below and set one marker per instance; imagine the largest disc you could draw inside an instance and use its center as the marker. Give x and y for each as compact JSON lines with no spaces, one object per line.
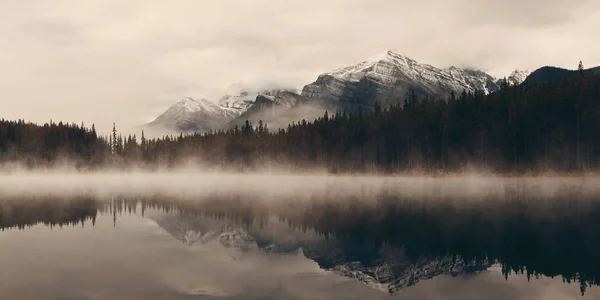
{"x":531,"y":127}
{"x":34,"y":145}
{"x":528,"y":128}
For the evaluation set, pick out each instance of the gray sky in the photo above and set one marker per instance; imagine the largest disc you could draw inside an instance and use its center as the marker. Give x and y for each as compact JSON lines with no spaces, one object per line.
{"x":127,"y":60}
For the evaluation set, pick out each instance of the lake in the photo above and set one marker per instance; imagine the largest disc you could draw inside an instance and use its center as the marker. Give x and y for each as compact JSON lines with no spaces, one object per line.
{"x":274,"y":236}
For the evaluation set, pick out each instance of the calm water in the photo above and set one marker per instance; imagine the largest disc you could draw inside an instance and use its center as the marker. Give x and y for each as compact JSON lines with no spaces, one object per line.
{"x":353,"y":239}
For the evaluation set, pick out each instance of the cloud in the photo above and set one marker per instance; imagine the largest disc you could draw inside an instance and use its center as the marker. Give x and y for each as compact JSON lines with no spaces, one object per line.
{"x":128,"y":60}
{"x":53,"y":32}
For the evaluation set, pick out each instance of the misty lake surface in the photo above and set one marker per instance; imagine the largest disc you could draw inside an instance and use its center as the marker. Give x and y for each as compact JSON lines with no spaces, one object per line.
{"x":215,"y":236}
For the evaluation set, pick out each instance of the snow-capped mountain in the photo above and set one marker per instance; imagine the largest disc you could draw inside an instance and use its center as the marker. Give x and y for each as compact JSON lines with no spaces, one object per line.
{"x":283,"y":97}
{"x":278,"y":108}
{"x":517,"y":77}
{"x":388,"y":77}
{"x":233,"y":108}
{"x":191,"y":114}
{"x":241,"y":101}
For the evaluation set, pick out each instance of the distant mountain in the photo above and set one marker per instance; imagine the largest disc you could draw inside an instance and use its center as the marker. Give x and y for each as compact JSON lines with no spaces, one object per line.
{"x":278,"y":108}
{"x":555,"y":74}
{"x":237,"y":96}
{"x":191,"y":114}
{"x":517,"y":77}
{"x":201,"y":115}
{"x":388,"y":77}
{"x":263,"y":108}
{"x":233,"y":108}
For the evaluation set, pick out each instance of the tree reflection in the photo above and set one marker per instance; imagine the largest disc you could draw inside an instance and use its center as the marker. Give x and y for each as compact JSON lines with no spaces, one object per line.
{"x":525,"y":233}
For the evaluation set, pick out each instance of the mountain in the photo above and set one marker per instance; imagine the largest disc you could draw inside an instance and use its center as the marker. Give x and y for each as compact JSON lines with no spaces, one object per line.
{"x":240,"y":100}
{"x":517,"y":77}
{"x":555,"y":74}
{"x":263,"y":108}
{"x":191,"y":114}
{"x":278,"y":108}
{"x":388,"y":77}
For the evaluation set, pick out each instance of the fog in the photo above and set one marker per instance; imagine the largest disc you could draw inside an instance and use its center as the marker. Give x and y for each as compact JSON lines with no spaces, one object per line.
{"x":302,"y":231}
{"x":278,"y":186}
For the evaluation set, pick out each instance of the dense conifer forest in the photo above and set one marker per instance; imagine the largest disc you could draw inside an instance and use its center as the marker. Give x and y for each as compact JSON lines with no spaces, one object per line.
{"x":533,"y":127}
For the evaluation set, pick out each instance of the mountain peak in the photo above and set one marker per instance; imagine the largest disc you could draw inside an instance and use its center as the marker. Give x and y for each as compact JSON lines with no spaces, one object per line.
{"x":239,"y":100}
{"x":517,"y":76}
{"x":396,"y":54}
{"x":189,"y":100}
{"x":189,"y":114}
{"x":356,"y":72}
{"x":190,"y":104}
{"x":391,"y":72}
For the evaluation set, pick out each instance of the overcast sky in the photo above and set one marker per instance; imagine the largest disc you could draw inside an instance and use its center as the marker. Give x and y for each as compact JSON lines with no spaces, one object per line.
{"x":127,"y":60}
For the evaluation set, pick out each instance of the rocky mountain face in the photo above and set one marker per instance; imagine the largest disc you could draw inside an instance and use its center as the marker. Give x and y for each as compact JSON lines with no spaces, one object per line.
{"x":278,"y":109}
{"x":201,"y":115}
{"x":386,"y":78}
{"x":389,"y":77}
{"x":517,"y":77}
{"x":241,"y":100}
{"x":191,"y":114}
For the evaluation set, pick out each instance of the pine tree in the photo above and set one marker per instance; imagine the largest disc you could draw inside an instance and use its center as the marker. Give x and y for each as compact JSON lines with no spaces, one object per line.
{"x":115,"y":146}
{"x":143,"y":142}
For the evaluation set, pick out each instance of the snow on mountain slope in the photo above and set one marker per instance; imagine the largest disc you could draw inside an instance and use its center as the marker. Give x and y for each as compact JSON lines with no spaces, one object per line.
{"x":191,"y":114}
{"x":201,"y":115}
{"x":518,"y":76}
{"x":187,"y":107}
{"x":388,"y":77}
{"x":392,"y":66}
{"x":283,"y":97}
{"x":241,"y":101}
{"x":278,"y":109}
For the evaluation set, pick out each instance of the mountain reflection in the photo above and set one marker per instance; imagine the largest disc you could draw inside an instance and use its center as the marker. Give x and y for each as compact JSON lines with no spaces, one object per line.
{"x":389,"y":242}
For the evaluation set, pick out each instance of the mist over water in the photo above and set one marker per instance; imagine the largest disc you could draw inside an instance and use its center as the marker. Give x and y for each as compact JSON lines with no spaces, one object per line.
{"x":270,"y":186}
{"x":187,"y":234}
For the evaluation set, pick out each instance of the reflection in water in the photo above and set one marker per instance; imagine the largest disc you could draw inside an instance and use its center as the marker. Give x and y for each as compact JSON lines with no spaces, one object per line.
{"x":387,"y":240}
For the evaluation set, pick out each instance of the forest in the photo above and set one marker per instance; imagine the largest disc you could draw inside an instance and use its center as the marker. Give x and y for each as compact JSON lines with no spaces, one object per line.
{"x":529,"y":128}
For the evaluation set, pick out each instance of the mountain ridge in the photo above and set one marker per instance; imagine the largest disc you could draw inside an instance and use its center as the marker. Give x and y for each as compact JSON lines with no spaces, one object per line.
{"x":385,"y":78}
{"x":388,"y":77}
